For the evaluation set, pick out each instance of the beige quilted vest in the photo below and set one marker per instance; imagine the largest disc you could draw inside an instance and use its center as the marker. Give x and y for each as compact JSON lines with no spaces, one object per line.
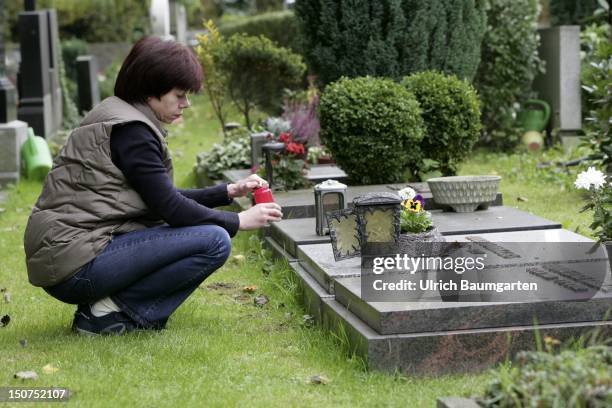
{"x":85,"y":198}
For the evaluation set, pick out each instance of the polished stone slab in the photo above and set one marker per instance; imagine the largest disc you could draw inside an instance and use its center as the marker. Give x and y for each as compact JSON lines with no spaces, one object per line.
{"x":313,"y":295}
{"x":315,"y":174}
{"x":300,"y":203}
{"x":278,"y":252}
{"x":443,"y":352}
{"x":318,"y":258}
{"x":422,"y":317}
{"x":430,"y":352}
{"x":301,"y":231}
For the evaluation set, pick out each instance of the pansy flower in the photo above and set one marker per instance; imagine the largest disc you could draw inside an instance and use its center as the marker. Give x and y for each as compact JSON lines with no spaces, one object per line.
{"x":416,"y":204}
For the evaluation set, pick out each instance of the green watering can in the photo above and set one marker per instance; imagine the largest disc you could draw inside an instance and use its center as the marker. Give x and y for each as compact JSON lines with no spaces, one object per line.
{"x":534,"y":116}
{"x":36,"y":157}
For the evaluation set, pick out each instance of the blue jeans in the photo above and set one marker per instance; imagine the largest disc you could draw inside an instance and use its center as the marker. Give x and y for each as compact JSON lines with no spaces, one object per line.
{"x":149,"y":273}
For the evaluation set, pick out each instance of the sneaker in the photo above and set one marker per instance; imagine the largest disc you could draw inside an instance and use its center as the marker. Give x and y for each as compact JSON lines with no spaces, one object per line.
{"x":112,"y":323}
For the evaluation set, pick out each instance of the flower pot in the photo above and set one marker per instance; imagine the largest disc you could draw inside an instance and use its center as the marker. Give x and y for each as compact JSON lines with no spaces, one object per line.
{"x":419,"y":244}
{"x":464,"y":193}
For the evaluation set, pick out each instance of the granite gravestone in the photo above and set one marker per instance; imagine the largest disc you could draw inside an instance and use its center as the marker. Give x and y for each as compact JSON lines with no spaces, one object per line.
{"x":87,"y":82}
{"x":560,"y":84}
{"x":12,"y":132}
{"x":55,"y":53}
{"x":35,"y":103}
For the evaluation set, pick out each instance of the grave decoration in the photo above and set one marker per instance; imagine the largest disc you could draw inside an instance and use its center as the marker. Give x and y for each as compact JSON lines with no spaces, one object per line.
{"x":464,"y":193}
{"x":269,"y":149}
{"x":375,"y":217}
{"x":285,"y":164}
{"x":330,"y":195}
{"x":416,"y":225}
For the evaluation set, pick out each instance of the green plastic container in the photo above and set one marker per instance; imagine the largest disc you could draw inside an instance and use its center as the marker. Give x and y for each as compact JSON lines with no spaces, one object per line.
{"x":535,"y":115}
{"x":36,"y":157}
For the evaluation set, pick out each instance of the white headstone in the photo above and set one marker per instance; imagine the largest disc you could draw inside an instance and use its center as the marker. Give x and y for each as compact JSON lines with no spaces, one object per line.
{"x":160,"y":18}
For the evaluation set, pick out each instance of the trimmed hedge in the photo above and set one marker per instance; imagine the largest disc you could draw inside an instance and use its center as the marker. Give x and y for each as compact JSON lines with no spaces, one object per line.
{"x":451,"y":112}
{"x":372,"y":127}
{"x":391,"y":38}
{"x":280,"y":27}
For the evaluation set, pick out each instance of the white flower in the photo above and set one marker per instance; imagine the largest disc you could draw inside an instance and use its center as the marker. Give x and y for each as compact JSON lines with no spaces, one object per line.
{"x":406,"y":193}
{"x":590,"y":177}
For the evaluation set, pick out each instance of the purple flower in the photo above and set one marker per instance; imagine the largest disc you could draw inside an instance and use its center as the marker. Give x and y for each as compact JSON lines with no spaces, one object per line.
{"x":420,"y":198}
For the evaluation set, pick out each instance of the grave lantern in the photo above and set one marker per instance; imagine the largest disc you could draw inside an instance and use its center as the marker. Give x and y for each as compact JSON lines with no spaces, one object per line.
{"x":375,"y":217}
{"x":270,"y":149}
{"x":330,"y":195}
{"x":378,"y":215}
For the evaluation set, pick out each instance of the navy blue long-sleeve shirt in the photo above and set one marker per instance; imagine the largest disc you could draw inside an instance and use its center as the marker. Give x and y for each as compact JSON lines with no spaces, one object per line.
{"x":136,"y":151}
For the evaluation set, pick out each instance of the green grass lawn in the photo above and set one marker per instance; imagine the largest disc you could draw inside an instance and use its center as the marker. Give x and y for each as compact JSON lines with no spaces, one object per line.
{"x":220,"y":349}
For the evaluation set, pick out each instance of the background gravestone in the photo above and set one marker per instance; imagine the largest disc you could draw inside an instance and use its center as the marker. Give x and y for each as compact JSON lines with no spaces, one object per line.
{"x":35,"y":103}
{"x":12,"y":132}
{"x":159,"y":13}
{"x":87,"y":82}
{"x":560,"y":85}
{"x":55,"y":87}
{"x":178,"y":21}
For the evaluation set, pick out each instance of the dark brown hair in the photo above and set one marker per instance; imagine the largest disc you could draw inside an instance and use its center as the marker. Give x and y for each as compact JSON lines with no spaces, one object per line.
{"x":155,"y":66}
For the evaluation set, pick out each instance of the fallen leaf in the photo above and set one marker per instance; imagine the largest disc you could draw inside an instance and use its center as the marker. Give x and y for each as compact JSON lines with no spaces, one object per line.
{"x":249,"y":289}
{"x":221,"y":285}
{"x":7,"y":297}
{"x":27,"y":375}
{"x":318,"y":379}
{"x":242,"y":298}
{"x":523,"y":199}
{"x":5,"y":320}
{"x":261,"y":300}
{"x":23,"y":342}
{"x":238,"y":259}
{"x":50,"y":369}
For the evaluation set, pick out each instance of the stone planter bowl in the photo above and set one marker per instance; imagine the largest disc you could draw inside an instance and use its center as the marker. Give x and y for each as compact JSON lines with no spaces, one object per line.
{"x":464,"y":193}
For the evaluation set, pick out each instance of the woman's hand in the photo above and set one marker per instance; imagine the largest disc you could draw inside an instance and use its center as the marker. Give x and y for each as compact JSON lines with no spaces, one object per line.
{"x":259,"y":216}
{"x":244,"y":186}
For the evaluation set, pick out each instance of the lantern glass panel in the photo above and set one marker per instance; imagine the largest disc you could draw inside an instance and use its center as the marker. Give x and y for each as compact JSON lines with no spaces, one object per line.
{"x":344,"y":234}
{"x":379,"y":225}
{"x":331,"y":202}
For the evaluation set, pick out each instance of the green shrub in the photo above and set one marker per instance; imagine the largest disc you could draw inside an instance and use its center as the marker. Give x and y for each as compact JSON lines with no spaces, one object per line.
{"x":92,"y":20}
{"x":257,"y":72}
{"x":451,"y":112}
{"x":233,"y":153}
{"x":215,"y":81}
{"x":509,"y":56}
{"x":570,"y":378}
{"x":280,"y":27}
{"x":107,"y":82}
{"x":390,"y":38}
{"x":372,"y":127}
{"x":71,"y":49}
{"x":598,"y":90}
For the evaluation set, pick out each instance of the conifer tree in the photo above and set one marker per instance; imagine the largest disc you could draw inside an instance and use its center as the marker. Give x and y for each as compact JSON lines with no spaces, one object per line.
{"x":391,"y":38}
